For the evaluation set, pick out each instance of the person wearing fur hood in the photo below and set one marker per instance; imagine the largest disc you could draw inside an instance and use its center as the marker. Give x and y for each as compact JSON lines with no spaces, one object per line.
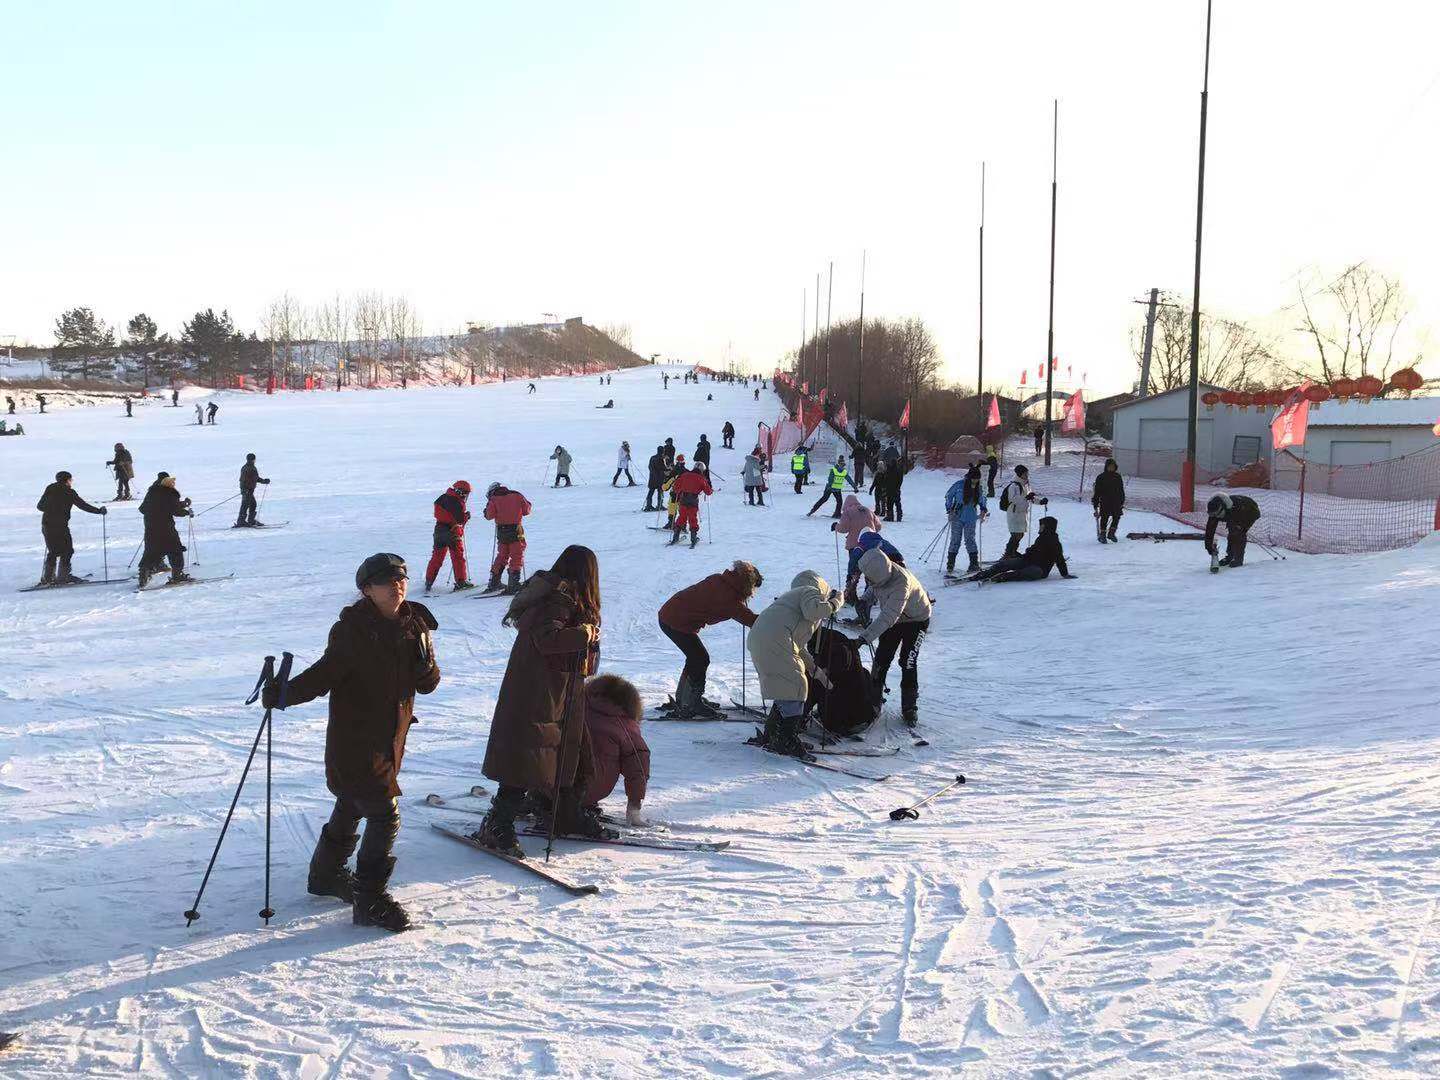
{"x":783,"y":664}
{"x":612,"y":715}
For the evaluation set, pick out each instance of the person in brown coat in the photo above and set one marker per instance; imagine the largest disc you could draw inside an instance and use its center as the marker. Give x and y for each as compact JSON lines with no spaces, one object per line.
{"x":537,"y":739}
{"x":709,"y":601}
{"x":378,"y":658}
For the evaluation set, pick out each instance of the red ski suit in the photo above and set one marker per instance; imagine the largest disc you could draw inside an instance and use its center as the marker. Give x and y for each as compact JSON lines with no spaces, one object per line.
{"x":450,"y":518}
{"x":687,"y":490}
{"x":507,"y":508}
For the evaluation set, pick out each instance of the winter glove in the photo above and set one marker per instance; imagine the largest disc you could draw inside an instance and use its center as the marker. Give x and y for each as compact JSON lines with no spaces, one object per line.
{"x":1069,"y":575}
{"x":270,"y":696}
{"x":264,"y":481}
{"x":104,"y":510}
{"x":823,"y":679}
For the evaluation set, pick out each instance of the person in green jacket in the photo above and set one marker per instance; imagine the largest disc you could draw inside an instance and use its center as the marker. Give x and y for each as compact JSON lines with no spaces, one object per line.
{"x":835,"y":486}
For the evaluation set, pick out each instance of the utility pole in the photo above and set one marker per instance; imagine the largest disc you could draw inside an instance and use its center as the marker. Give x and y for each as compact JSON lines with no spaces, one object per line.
{"x":829,"y":296}
{"x":1149,"y":343}
{"x":860,"y":377}
{"x":804,"y":321}
{"x":815,"y":342}
{"x":1187,"y":473}
{"x":1050,"y":348}
{"x":980,"y":364}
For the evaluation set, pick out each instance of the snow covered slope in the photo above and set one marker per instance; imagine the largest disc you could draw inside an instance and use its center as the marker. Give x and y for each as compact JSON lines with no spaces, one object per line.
{"x":1198,"y":834}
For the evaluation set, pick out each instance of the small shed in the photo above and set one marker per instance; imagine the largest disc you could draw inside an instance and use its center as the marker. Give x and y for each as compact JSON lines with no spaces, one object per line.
{"x":1150,"y":435}
{"x":1356,"y":432}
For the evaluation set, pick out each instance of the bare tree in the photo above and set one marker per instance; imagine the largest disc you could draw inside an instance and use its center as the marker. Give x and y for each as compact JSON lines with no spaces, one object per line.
{"x":1232,"y":354}
{"x":618,"y":333}
{"x":1353,"y":322}
{"x":332,"y":324}
{"x":370,"y":328}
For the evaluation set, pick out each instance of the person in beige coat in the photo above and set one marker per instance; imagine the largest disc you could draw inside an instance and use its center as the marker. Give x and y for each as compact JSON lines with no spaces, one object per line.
{"x":901,"y":619}
{"x":783,"y":664}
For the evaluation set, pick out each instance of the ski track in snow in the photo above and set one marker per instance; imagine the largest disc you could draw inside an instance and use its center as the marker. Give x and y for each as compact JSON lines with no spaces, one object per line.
{"x":1196,"y":837}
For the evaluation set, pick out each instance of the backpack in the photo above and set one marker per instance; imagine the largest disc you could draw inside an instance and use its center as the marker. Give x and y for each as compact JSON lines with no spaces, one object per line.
{"x":853,"y":702}
{"x":1005,"y":496}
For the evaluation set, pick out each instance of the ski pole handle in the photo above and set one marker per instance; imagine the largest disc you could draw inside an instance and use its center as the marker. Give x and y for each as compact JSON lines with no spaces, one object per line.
{"x":286,"y":660}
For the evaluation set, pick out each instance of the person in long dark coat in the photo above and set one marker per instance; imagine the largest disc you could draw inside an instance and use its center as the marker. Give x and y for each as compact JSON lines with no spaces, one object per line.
{"x":1108,"y":499}
{"x":537,"y":736}
{"x":160,"y":507}
{"x":378,"y":657}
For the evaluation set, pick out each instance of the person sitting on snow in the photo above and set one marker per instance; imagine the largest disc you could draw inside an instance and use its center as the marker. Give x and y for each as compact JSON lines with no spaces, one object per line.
{"x":1039,"y":559}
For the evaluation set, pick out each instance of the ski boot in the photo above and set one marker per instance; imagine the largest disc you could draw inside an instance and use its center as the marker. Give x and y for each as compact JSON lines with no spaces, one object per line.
{"x":461,"y":586}
{"x":974,"y":567}
{"x":65,"y":577}
{"x":950,"y":562}
{"x":497,"y":831}
{"x":329,"y":876}
{"x":694,"y":537}
{"x":144,"y":577}
{"x":512,"y":582}
{"x":255,"y":524}
{"x":493,"y":585}
{"x":178,"y":577}
{"x":1111,"y":535}
{"x":428,"y":586}
{"x":910,"y":716}
{"x":576,"y":819}
{"x":674,"y":539}
{"x":372,"y":905}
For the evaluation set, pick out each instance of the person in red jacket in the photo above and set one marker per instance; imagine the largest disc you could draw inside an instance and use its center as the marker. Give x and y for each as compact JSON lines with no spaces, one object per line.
{"x":687,"y":489}
{"x":713,"y":600}
{"x":507,"y":509}
{"x":612,"y":716}
{"x":450,"y":519}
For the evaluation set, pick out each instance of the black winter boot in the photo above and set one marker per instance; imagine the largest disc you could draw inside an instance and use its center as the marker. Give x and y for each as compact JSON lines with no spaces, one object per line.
{"x":493,"y":583}
{"x":497,"y":831}
{"x":573,"y":818}
{"x":512,"y":581}
{"x":974,"y":564}
{"x":373,"y":906}
{"x":675,"y":539}
{"x":950,"y":562}
{"x":329,"y":876}
{"x":47,"y":576}
{"x":694,"y":537}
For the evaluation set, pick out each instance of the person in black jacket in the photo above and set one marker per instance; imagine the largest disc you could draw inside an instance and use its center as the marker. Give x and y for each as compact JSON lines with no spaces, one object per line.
{"x":160,"y":507}
{"x":727,"y":433}
{"x":55,"y":505}
{"x":249,"y":477}
{"x":124,"y":466}
{"x":669,"y":451}
{"x":1039,"y":559}
{"x":1108,"y":499}
{"x":655,"y":482}
{"x":1239,"y":513}
{"x":702,"y":454}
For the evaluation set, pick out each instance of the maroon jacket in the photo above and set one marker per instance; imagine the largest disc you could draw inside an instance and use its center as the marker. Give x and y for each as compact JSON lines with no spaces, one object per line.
{"x":707,"y":602}
{"x":616,"y":744}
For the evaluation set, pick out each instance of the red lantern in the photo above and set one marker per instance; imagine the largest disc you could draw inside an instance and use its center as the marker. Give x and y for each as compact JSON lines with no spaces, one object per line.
{"x":1211,"y":399}
{"x":1367,"y":386}
{"x":1244,"y":400}
{"x":1230,"y":398}
{"x":1407,"y":380}
{"x":1343,"y":388}
{"x":1317,"y":393}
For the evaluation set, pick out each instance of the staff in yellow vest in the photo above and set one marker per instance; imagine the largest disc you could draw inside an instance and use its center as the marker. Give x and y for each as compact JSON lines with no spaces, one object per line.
{"x":800,"y":466}
{"x":834,"y":486}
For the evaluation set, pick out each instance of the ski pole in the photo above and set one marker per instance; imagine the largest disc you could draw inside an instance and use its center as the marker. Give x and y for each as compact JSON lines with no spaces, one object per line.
{"x":267,"y":675}
{"x":194,"y":546}
{"x":742,"y":667}
{"x":709,"y":528}
{"x":265,"y":490}
{"x":911,"y":813}
{"x":105,"y":545}
{"x":134,"y":553}
{"x":221,"y":503}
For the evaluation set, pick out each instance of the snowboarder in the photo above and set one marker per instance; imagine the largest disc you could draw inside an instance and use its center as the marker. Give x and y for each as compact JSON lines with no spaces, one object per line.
{"x":800,"y":466}
{"x":622,"y":465}
{"x":378,"y":657}
{"x":965,"y":507}
{"x":129,"y":406}
{"x":727,"y":436}
{"x":702,"y":454}
{"x":752,"y":473}
{"x":834,"y":485}
{"x":124,"y":466}
{"x":249,"y":477}
{"x":538,"y":739}
{"x":711,"y":600}
{"x":210,"y":411}
{"x":160,"y":507}
{"x":655,"y":481}
{"x":507,"y":509}
{"x":450,"y":518}
{"x":1239,"y":513}
{"x":562,"y":460}
{"x":1039,"y":439}
{"x":992,"y":465}
{"x":900,"y":624}
{"x":1039,"y":559}
{"x":1108,"y":499}
{"x":56,"y":502}
{"x":1015,"y":500}
{"x":783,"y":664}
{"x":686,"y":490}
{"x":41,"y":399}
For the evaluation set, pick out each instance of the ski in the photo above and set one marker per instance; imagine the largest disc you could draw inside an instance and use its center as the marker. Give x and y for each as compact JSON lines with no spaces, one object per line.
{"x":1159,"y":537}
{"x":277,"y":525}
{"x":864,"y":751}
{"x":147,"y":587}
{"x":574,"y":888}
{"x":812,"y":762}
{"x":748,"y":710}
{"x":41,"y":586}
{"x":447,"y":802}
{"x":627,"y":841}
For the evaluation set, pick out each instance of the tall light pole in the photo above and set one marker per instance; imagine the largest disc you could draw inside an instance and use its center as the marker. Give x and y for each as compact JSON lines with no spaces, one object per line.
{"x":1050,"y":347}
{"x":980,"y":363}
{"x":1187,"y":472}
{"x":860,"y":378}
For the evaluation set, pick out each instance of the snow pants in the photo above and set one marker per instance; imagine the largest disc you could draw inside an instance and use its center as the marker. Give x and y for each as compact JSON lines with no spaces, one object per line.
{"x":1011,"y":568}
{"x":655,"y":492}
{"x":122,"y":484}
{"x":825,"y":496}
{"x":752,"y":492}
{"x":906,"y":637}
{"x":799,"y":481}
{"x":248,"y":507}
{"x":1235,"y":541}
{"x":688,"y":518}
{"x":57,"y":540}
{"x":1109,"y":520}
{"x":511,"y":554}
{"x":697,"y":658}
{"x":457,"y":561}
{"x":562,"y":476}
{"x":963,"y":530}
{"x":1012,"y":547}
{"x":382,"y":825}
{"x":993,"y":468}
{"x":616,"y":477}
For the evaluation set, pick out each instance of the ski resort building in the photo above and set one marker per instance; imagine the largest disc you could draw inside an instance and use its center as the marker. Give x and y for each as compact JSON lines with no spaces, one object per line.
{"x":1150,"y":435}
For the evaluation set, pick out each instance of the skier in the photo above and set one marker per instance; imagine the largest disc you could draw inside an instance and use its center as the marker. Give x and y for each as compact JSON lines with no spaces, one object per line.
{"x":160,"y":507}
{"x":727,"y":435}
{"x":210,"y":411}
{"x":895,"y":477}
{"x":18,"y":429}
{"x":712,"y":600}
{"x":672,"y":497}
{"x":450,"y":518}
{"x":800,"y":466}
{"x":1039,"y":559}
{"x":655,"y":481}
{"x":174,"y":399}
{"x":1239,"y":513}
{"x":529,"y":389}
{"x":378,"y":657}
{"x":55,"y":504}
{"x":538,"y":739}
{"x":1015,"y":500}
{"x":992,"y":464}
{"x":41,"y":399}
{"x":900,"y":624}
{"x":783,"y":664}
{"x":855,"y":518}
{"x":965,"y":507}
{"x":667,"y":381}
{"x":1039,"y":439}
{"x":507,"y":509}
{"x":10,"y":404}
{"x":129,"y":407}
{"x":199,"y":413}
{"x":686,"y":490}
{"x":562,"y":460}
{"x":622,"y":464}
{"x":878,"y":487}
{"x":702,"y":454}
{"x":249,"y":477}
{"x":863,"y":602}
{"x":1108,"y":499}
{"x":752,"y":473}
{"x":124,"y":466}
{"x":834,"y":486}
{"x":669,"y":451}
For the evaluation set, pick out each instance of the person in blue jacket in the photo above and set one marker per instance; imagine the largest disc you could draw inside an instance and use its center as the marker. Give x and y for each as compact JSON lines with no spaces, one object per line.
{"x":965,"y":507}
{"x":867,"y":541}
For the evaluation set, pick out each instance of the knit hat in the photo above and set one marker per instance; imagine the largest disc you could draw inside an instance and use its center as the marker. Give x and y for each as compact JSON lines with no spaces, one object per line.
{"x":249,"y":457}
{"x":161,"y":475}
{"x":62,"y":476}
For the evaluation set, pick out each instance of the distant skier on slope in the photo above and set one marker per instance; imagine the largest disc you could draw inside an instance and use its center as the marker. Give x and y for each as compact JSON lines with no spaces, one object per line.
{"x":727,"y":436}
{"x":1108,"y":499}
{"x":702,"y":453}
{"x":1239,"y":513}
{"x":800,"y":466}
{"x":1039,"y":559}
{"x":900,"y":624}
{"x":687,"y":489}
{"x":210,"y":411}
{"x":562,"y":460}
{"x":656,"y":470}
{"x":783,"y":664}
{"x":56,"y":502}
{"x":124,"y":465}
{"x":965,"y":507}
{"x":507,"y":509}
{"x":160,"y":507}
{"x":378,"y":657}
{"x":249,"y":477}
{"x":613,"y":711}
{"x":622,"y":465}
{"x":1015,"y":500}
{"x":714,"y":599}
{"x":451,"y":515}
{"x":752,"y":474}
{"x":669,"y":451}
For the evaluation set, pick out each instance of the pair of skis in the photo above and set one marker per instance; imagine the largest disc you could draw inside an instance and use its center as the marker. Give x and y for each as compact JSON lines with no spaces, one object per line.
{"x":147,"y":587}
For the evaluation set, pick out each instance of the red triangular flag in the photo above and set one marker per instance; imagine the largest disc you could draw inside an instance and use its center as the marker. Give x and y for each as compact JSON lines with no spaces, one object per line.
{"x":905,"y":417}
{"x":994,"y":419}
{"x":1022,"y":376}
{"x":1074,"y":414}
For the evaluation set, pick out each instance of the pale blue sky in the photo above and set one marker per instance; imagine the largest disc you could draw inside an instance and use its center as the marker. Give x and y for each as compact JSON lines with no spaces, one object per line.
{"x":688,"y":168}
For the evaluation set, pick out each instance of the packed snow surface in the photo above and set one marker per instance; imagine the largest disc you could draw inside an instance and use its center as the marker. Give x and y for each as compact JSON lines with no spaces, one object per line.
{"x":1198,"y":835}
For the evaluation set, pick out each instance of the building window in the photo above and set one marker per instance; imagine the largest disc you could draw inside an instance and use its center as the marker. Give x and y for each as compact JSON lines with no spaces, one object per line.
{"x":1246,"y":451}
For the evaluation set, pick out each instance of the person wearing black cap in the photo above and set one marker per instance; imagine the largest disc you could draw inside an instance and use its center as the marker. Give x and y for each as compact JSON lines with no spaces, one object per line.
{"x":249,"y":477}
{"x":55,"y":504}
{"x":378,"y":657}
{"x":160,"y":507}
{"x":1044,"y":555}
{"x":655,"y":483}
{"x":1238,"y":512}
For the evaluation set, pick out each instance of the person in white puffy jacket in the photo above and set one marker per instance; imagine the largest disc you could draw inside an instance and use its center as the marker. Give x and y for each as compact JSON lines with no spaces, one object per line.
{"x":782,"y":662}
{"x":901,"y":618}
{"x":1015,"y":500}
{"x":622,"y":464}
